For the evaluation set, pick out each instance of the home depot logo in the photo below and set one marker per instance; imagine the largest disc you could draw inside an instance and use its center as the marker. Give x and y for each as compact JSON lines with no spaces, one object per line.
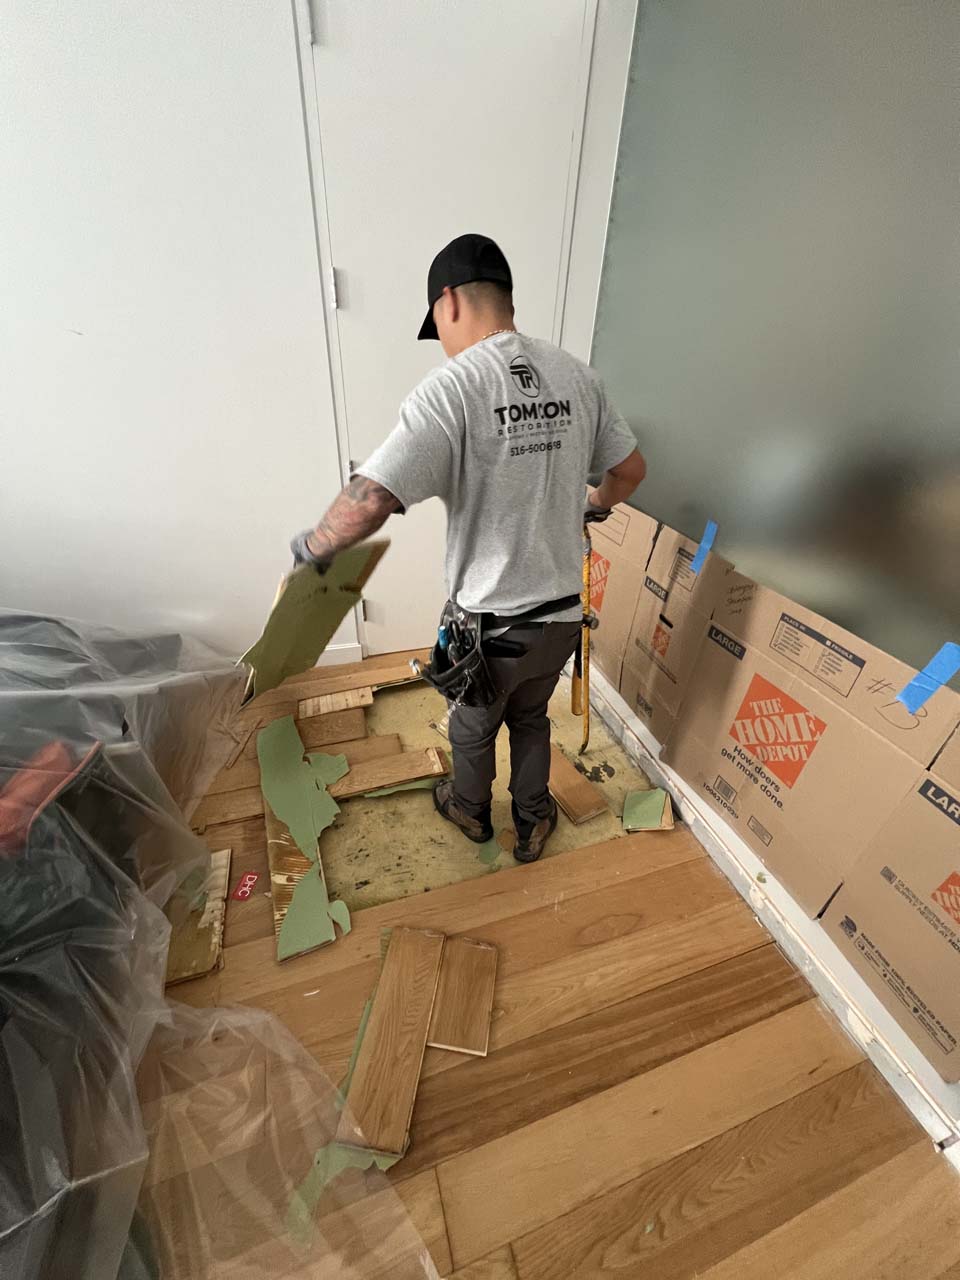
{"x":948,"y":896}
{"x":661,"y":640}
{"x":599,"y":573}
{"x":776,"y":730}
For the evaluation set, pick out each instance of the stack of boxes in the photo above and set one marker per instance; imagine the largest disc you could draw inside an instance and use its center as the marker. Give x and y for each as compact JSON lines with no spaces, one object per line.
{"x":790,"y":727}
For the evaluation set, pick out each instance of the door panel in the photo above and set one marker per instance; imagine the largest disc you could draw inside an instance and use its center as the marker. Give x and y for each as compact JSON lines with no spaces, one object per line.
{"x":437,"y":117}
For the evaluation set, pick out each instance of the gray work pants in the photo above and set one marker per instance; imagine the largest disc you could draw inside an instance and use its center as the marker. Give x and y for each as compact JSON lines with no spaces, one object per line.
{"x":525,"y":684}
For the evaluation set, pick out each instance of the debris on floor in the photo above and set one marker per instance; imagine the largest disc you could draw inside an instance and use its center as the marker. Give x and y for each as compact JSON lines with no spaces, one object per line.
{"x":196,"y":942}
{"x":648,"y":811}
{"x":574,"y":793}
{"x":306,"y":613}
{"x":298,"y":807}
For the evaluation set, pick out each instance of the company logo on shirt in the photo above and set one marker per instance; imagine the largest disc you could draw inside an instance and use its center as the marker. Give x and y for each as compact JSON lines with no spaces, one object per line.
{"x":525,"y":376}
{"x":776,"y":730}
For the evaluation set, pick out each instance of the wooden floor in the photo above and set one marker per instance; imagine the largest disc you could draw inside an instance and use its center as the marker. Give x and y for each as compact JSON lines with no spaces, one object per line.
{"x":663,"y":1098}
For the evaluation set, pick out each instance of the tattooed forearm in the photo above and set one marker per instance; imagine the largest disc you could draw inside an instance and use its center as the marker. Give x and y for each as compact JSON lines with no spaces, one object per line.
{"x":360,"y":509}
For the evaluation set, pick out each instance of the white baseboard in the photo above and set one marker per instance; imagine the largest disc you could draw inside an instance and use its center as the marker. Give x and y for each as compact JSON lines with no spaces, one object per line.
{"x":336,"y":653}
{"x":935,"y":1104}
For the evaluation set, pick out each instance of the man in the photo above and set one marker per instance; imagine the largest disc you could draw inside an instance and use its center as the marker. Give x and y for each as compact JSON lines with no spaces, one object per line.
{"x":505,"y":434}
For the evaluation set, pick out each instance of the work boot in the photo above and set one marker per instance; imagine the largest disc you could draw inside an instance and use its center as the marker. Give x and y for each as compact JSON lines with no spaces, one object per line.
{"x":533,"y":836}
{"x":479,"y":830}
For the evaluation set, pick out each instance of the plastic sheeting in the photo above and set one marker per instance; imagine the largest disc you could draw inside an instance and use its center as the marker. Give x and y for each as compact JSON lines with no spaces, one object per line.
{"x":172,"y":696}
{"x":245,"y":1180}
{"x":105,"y":740}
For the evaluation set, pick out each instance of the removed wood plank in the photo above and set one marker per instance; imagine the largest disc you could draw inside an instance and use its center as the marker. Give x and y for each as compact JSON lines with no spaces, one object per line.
{"x":384,"y":1083}
{"x":510,"y":1187}
{"x":227,"y":806}
{"x":579,"y":799}
{"x":648,"y":810}
{"x":372,"y":665}
{"x":308,"y":609}
{"x":388,"y":771}
{"x":196,"y":943}
{"x":720,"y":1196}
{"x":383,"y":671}
{"x":464,"y":1003}
{"x":900,"y":1220}
{"x":319,"y":732}
{"x":327,"y":703}
{"x":246,"y":773}
{"x":372,"y":676}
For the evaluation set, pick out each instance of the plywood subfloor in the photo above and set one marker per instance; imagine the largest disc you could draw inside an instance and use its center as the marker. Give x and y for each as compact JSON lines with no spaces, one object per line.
{"x":389,"y":847}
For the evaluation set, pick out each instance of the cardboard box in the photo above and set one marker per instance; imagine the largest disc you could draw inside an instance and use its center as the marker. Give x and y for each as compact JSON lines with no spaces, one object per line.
{"x":621,"y":547}
{"x":807,"y":769}
{"x":847,"y":671}
{"x":897,"y":916}
{"x":668,"y":627}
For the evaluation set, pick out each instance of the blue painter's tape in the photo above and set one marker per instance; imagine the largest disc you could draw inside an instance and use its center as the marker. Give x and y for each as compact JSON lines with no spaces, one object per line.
{"x":943,"y":666}
{"x":706,"y":543}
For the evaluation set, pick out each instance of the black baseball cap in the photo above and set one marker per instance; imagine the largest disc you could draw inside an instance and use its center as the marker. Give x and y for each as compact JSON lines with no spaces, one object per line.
{"x":464,"y":260}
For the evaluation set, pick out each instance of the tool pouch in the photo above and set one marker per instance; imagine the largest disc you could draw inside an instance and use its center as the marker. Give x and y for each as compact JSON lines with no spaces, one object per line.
{"x":466,"y":683}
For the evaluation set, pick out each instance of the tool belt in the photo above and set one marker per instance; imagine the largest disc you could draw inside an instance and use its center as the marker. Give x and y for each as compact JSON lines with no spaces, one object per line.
{"x":463,"y":677}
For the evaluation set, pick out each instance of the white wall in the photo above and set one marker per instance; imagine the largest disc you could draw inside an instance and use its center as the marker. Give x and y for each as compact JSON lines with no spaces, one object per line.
{"x":165,"y":405}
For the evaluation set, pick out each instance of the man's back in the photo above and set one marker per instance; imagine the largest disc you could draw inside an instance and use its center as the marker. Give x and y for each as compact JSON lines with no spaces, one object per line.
{"x":506,"y":434}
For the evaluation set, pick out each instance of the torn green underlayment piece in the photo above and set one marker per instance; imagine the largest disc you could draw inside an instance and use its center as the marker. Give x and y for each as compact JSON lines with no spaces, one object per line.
{"x":489,"y":852}
{"x":306,"y":614}
{"x":296,"y":791}
{"x":643,"y":810}
{"x":328,"y":1163}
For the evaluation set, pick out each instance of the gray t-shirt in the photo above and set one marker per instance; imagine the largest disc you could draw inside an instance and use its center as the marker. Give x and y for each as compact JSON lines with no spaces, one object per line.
{"x":506,"y":434}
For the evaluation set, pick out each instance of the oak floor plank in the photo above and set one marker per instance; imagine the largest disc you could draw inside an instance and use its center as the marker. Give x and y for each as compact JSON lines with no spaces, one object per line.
{"x":498,"y":1265}
{"x":246,"y":772}
{"x":531,"y":938}
{"x":367,"y":758}
{"x":526,"y":1003}
{"x":380,"y":671}
{"x":227,"y":806}
{"x":421,"y":1199}
{"x":685,"y":1216}
{"x":508,"y":1188}
{"x":536,"y":1077}
{"x":252,"y":917}
{"x":579,"y":799}
{"x":578,"y":984}
{"x":318,"y":732}
{"x":470,"y":906}
{"x":901,"y":1221}
{"x":389,"y":771}
{"x":384,"y":1082}
{"x":324,"y":704}
{"x":464,"y":1003}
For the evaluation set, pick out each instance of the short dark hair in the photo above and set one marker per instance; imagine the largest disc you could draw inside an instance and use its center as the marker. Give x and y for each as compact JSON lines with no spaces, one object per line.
{"x":488,"y":293}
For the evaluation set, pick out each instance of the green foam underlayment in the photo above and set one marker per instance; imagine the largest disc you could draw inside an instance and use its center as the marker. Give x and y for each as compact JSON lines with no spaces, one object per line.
{"x":309,"y":919}
{"x":421,"y":784}
{"x":296,"y":791}
{"x":489,"y":853}
{"x":305,"y":617}
{"x":328,"y":1163}
{"x":643,"y":810}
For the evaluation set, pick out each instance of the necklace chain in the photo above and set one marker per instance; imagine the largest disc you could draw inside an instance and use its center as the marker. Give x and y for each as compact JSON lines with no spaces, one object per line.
{"x":493,"y":333}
